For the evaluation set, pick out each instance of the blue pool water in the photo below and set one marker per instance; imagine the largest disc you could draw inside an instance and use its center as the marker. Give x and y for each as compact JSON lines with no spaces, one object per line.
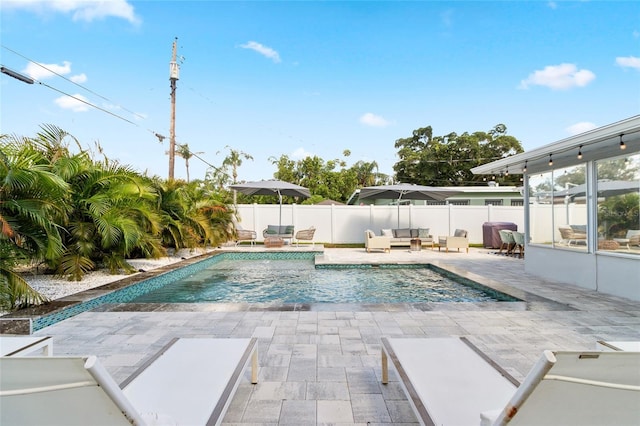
{"x":276,"y":281}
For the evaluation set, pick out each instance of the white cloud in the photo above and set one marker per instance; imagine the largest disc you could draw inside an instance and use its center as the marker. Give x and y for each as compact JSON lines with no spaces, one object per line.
{"x":628,"y":62}
{"x":80,"y":78}
{"x":552,"y":5}
{"x":558,"y":77}
{"x":370,"y":119}
{"x":300,"y":153}
{"x":263,"y":50}
{"x":581,"y":127}
{"x":67,"y":102}
{"x":80,"y":10}
{"x":40,"y":71}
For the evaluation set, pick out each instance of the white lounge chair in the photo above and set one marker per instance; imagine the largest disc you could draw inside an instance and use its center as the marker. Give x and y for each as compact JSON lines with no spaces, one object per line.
{"x":451,"y":382}
{"x":25,"y":345}
{"x":190,"y":382}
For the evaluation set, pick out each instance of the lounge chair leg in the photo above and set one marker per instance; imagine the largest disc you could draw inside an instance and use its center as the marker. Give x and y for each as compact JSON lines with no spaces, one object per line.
{"x":254,"y":367}
{"x":385,"y":368}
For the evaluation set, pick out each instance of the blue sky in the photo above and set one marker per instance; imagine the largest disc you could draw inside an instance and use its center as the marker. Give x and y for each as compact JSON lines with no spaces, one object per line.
{"x":314,"y":78}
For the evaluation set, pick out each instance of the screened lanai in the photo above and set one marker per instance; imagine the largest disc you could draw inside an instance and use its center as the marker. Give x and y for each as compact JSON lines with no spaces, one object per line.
{"x":582,"y":207}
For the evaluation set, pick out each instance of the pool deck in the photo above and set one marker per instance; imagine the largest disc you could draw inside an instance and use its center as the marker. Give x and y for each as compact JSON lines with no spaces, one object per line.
{"x":321,"y":365}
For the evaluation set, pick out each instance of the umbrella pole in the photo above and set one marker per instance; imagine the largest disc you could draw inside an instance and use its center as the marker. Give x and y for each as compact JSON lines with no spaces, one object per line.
{"x":399,"y":198}
{"x":280,"y":218}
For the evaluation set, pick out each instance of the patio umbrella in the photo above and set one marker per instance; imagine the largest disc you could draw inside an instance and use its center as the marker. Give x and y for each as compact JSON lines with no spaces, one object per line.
{"x":272,"y":187}
{"x":606,"y":188}
{"x":405,"y":191}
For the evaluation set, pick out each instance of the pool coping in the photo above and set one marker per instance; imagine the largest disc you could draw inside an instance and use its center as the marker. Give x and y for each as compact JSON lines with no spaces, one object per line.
{"x":14,"y":322}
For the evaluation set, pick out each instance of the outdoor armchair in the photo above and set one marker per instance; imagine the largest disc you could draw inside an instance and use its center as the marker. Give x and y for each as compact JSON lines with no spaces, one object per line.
{"x":245,"y":235}
{"x":458,"y":240}
{"x":519,"y":240}
{"x":508,"y":240}
{"x":573,"y":234}
{"x":373,"y":241}
{"x":634,"y":237}
{"x":306,"y":235}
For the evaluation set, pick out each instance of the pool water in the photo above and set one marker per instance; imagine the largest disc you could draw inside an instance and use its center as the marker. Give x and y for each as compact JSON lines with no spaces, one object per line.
{"x":289,"y":281}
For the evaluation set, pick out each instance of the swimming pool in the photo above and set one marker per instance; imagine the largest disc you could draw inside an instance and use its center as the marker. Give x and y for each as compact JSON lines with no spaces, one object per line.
{"x":287,"y":281}
{"x":132,"y":294}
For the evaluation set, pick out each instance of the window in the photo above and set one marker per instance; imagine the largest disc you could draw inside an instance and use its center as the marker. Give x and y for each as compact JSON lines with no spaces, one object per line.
{"x":459,"y":202}
{"x":492,"y":202}
{"x":517,"y":202}
{"x":540,"y":198}
{"x":558,"y":210}
{"x":618,"y":195}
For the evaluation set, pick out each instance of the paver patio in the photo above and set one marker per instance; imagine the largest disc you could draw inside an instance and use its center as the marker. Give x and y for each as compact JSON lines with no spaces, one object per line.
{"x":322,"y":366}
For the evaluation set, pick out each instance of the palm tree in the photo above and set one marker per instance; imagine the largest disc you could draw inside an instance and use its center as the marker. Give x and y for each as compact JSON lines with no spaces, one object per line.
{"x":31,"y":200}
{"x":183,"y":151}
{"x":234,"y":160}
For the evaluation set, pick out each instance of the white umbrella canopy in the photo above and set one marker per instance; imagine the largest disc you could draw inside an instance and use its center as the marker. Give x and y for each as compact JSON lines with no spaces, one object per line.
{"x":406,"y":191}
{"x":272,"y":187}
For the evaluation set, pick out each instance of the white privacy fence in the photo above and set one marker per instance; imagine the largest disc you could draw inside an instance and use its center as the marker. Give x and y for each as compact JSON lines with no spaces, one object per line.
{"x":338,"y":224}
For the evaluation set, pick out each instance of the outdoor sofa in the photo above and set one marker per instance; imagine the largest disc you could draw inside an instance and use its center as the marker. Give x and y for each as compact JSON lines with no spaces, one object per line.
{"x":402,"y":237}
{"x":279,"y":231}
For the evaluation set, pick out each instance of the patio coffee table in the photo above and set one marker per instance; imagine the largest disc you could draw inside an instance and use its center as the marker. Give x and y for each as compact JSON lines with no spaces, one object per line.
{"x":415,"y":244}
{"x":273,"y":242}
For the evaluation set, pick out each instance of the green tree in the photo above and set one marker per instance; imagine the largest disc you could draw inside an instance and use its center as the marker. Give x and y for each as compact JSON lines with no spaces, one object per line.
{"x":31,"y":200}
{"x":447,"y":160}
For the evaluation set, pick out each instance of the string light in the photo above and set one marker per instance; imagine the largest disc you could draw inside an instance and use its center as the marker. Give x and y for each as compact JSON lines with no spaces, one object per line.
{"x":506,"y":173}
{"x":550,"y":160}
{"x":524,"y":169}
{"x":622,"y":145}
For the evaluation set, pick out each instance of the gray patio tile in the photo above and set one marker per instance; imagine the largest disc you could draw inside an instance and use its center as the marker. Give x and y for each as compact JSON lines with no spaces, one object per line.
{"x":347,"y":360}
{"x":328,"y":390}
{"x":279,"y":391}
{"x":302,"y":370}
{"x":305,"y":351}
{"x":272,"y":374}
{"x":298,"y":413}
{"x":370,"y":408}
{"x":331,"y":374}
{"x":401,"y":411}
{"x":333,"y":412}
{"x":262,"y":411}
{"x":263,"y":332}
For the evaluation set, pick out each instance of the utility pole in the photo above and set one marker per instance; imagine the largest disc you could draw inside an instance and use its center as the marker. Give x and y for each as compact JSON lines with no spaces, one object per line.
{"x":174,"y":72}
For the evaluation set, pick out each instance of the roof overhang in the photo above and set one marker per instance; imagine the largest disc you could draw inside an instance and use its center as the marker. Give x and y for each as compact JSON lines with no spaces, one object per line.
{"x":603,"y":142}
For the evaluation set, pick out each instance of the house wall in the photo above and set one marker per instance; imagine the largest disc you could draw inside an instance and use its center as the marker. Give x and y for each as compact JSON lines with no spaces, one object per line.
{"x":618,"y":275}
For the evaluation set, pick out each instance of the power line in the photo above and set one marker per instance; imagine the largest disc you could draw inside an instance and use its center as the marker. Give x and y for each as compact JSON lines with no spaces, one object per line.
{"x":71,"y":81}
